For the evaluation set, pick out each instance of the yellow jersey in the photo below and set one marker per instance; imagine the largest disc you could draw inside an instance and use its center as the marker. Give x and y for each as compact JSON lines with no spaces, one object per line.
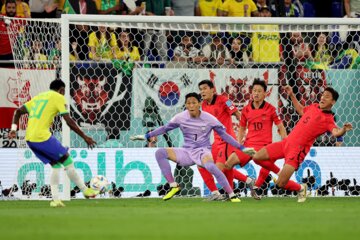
{"x":102,"y":47}
{"x":266,"y":44}
{"x":125,"y":54}
{"x":209,"y":8}
{"x":243,"y":8}
{"x":42,"y":109}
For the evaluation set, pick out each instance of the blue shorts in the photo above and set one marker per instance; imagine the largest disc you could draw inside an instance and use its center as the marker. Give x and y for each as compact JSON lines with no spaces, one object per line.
{"x":49,"y":151}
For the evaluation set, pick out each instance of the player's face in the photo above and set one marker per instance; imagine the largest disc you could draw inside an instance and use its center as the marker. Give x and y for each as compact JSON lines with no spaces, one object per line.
{"x":206,"y":92}
{"x":258,"y":93}
{"x":326,"y":101}
{"x":193,"y":106}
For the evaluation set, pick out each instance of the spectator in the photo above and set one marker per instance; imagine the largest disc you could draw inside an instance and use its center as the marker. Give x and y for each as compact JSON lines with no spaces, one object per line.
{"x":301,"y":50}
{"x":321,"y":52}
{"x":43,"y":9}
{"x":55,"y":53}
{"x":74,"y":56}
{"x":291,"y":10}
{"x":238,"y":53}
{"x":352,"y":8}
{"x":216,"y":53}
{"x":135,"y":9}
{"x":207,"y":8}
{"x":107,"y":6}
{"x":102,"y":44}
{"x":125,"y":50}
{"x":265,"y":43}
{"x":22,"y":9}
{"x":239,"y":8}
{"x":186,"y":52}
{"x":5,"y":46}
{"x":158,"y":37}
{"x":84,"y":6}
{"x":37,"y":55}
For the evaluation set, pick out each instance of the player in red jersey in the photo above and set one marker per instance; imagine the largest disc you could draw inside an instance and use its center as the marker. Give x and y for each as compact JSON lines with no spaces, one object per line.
{"x":222,"y":108}
{"x":316,"y":119}
{"x":258,"y":118}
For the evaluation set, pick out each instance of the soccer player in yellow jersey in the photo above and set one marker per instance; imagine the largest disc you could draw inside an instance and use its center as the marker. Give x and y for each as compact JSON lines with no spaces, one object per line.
{"x":42,"y":109}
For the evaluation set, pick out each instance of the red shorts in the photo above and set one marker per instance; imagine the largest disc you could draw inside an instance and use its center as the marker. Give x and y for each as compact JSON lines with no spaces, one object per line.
{"x":221,"y":152}
{"x":294,"y":154}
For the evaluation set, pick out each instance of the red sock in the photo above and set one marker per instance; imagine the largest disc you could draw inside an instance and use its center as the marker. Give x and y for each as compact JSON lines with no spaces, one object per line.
{"x":293,"y":186}
{"x":263,"y":174}
{"x":230,"y":177}
{"x":239,"y":176}
{"x":208,"y":179}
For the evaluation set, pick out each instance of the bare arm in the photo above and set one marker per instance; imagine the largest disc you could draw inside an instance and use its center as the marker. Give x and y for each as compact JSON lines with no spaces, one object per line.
{"x":241,"y":134}
{"x":73,"y":126}
{"x":299,"y":108}
{"x":197,"y":11}
{"x":282,"y":130}
{"x":338,"y":132}
{"x":17,"y":114}
{"x":347,"y":8}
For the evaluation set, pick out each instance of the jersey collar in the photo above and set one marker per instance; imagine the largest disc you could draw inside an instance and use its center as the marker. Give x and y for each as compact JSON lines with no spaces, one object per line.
{"x":213,"y":100}
{"x":261,"y":106}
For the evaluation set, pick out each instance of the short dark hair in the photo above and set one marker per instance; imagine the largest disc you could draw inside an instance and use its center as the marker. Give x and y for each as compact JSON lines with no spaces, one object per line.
{"x":193,"y":94}
{"x":259,"y":82}
{"x":334,"y":93}
{"x":57,"y":84}
{"x":207,"y":82}
{"x":10,"y":1}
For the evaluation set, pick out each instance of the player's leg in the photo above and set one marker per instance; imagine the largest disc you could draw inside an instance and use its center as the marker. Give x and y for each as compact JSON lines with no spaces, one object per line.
{"x":208,"y":162}
{"x":163,"y":155}
{"x":54,"y":185}
{"x":208,"y":177}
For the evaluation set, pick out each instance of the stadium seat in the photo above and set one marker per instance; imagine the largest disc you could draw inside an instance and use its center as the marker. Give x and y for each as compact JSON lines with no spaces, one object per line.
{"x":309,"y":10}
{"x":336,"y":9}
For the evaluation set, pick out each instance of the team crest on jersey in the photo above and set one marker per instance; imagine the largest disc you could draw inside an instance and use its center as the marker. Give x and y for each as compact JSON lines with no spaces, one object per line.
{"x":203,"y":128}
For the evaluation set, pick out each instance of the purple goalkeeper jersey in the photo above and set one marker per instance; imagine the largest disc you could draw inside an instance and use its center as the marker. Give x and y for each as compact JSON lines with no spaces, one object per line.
{"x":196,"y":131}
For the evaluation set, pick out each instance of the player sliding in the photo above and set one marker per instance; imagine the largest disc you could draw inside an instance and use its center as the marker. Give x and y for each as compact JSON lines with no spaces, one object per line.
{"x":196,"y":127}
{"x":316,"y":119}
{"x":42,"y":109}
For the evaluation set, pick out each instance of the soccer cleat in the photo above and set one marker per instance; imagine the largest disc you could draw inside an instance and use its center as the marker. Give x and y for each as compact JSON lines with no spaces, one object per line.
{"x":57,"y":203}
{"x":215,"y":197}
{"x":235,"y":199}
{"x":90,"y":193}
{"x":302,"y":193}
{"x":249,"y":151}
{"x":171,"y":193}
{"x":253,"y":192}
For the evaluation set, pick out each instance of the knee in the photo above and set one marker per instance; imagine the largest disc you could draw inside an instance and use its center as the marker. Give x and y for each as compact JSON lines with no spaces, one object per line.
{"x":161,"y":153}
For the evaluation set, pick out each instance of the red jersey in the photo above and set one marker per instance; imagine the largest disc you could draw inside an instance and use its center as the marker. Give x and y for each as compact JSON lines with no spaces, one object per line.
{"x":312,"y":124}
{"x":222,"y":108}
{"x":5,"y":46}
{"x":259,"y":123}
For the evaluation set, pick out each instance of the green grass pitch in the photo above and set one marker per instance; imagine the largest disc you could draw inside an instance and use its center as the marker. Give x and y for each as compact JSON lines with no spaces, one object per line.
{"x":182,"y":218}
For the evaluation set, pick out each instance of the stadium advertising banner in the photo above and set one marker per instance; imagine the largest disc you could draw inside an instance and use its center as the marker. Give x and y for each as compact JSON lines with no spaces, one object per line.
{"x":160,"y":93}
{"x":17,"y":87}
{"x":136,"y":170}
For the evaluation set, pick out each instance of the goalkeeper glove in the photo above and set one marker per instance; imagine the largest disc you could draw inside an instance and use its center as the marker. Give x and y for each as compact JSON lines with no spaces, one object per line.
{"x":139,"y":137}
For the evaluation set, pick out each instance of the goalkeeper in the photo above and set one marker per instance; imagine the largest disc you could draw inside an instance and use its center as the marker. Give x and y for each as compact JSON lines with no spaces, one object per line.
{"x":42,"y":109}
{"x":196,"y":127}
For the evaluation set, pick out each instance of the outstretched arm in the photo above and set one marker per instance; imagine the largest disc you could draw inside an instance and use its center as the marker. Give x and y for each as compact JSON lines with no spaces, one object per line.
{"x":338,"y":132}
{"x":299,"y":108}
{"x":161,"y":130}
{"x":17,"y":114}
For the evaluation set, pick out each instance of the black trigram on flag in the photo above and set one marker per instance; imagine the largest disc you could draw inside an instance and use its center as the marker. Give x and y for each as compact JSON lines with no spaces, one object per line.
{"x":185,"y":80}
{"x":152,"y":80}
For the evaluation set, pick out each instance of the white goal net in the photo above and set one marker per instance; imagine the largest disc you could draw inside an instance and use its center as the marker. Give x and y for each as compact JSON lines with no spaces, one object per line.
{"x":128,"y":75}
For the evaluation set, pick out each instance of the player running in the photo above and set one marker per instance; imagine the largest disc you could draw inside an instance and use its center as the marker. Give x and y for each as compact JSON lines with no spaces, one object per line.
{"x":196,"y":127}
{"x":42,"y":110}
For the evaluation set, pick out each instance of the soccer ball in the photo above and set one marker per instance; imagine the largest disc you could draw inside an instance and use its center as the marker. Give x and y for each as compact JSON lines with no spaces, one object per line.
{"x":99,"y":183}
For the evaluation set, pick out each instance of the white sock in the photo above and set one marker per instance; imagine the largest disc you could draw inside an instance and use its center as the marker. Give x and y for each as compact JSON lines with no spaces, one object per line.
{"x":174,"y":184}
{"x":232,"y":195}
{"x":54,"y":183}
{"x":216,"y":192}
{"x":72,"y":174}
{"x":302,"y":188}
{"x":248,"y":180}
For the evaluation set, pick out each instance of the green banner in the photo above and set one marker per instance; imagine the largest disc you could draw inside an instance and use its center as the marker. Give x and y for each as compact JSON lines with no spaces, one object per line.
{"x":347,"y":83}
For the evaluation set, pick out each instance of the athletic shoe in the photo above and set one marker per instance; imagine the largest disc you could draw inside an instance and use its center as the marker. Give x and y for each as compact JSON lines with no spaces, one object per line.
{"x":253,"y":192}
{"x":57,"y":203}
{"x":215,"y":197}
{"x":90,"y":193}
{"x":302,"y":193}
{"x":235,"y":199}
{"x":171,"y":193}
